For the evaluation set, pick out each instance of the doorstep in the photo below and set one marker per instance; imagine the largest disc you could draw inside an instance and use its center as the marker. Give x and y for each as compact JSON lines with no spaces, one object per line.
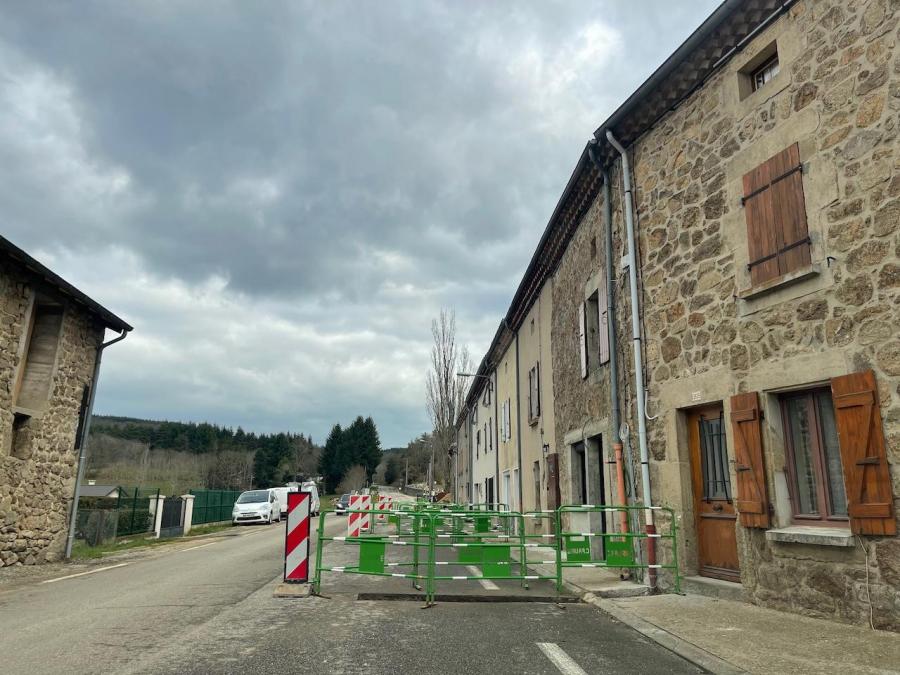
{"x":713,"y":588}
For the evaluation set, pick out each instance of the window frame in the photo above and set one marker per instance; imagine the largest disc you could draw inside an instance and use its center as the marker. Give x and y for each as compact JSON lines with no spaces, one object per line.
{"x":534,"y":394}
{"x":825,"y":517}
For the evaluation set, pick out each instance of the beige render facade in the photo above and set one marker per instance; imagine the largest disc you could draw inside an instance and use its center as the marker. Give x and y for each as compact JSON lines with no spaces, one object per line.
{"x":772,"y":369}
{"x":49,"y":340}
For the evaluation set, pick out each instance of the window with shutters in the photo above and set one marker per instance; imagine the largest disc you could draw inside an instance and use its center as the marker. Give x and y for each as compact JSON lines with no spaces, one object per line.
{"x":592,"y":321}
{"x":582,"y":339}
{"x":777,"y":235}
{"x":486,"y":399}
{"x":813,"y":457}
{"x":534,"y":394}
{"x":477,"y":443}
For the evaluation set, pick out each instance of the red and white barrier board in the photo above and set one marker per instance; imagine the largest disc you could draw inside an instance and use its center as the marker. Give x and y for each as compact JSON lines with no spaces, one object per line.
{"x":296,"y":540}
{"x":384,"y":505}
{"x":359,"y":522}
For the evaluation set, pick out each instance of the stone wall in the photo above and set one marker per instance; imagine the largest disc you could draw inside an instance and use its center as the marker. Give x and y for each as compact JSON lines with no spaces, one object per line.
{"x":36,"y":486}
{"x":838,"y":96}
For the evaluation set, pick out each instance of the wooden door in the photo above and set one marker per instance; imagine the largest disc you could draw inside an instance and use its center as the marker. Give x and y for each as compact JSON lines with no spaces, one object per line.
{"x":713,"y":496}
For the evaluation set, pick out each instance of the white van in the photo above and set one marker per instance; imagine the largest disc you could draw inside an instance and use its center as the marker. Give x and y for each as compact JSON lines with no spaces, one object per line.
{"x":314,"y":504}
{"x":281,"y":494}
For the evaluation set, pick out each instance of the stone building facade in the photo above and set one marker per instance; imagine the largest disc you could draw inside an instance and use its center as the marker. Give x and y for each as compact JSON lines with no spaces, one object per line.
{"x":49,"y":340}
{"x":766,"y":168}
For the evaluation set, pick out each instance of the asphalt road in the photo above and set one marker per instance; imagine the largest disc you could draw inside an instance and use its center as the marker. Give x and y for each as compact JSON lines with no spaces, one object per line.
{"x":207,"y":607}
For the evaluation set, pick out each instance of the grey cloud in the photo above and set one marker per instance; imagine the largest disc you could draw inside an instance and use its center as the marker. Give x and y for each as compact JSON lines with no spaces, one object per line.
{"x":352,"y":166}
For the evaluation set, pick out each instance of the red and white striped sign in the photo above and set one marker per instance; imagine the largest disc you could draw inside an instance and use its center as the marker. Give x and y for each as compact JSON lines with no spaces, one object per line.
{"x":359,"y":522}
{"x":296,"y":540}
{"x":385,"y":504}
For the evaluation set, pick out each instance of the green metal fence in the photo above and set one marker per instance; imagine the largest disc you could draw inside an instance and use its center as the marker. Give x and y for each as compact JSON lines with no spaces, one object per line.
{"x":213,"y":506}
{"x":496,"y":542}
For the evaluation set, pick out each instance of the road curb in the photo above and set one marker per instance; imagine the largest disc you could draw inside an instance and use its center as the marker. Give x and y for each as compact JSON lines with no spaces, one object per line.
{"x":292,"y":591}
{"x":686,"y":650}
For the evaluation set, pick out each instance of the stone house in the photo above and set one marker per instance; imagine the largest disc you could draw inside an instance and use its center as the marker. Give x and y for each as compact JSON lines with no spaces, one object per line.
{"x":50,"y":338}
{"x":763,"y":186}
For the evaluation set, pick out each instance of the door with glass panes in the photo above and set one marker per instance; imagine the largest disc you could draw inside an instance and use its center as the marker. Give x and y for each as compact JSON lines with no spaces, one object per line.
{"x":713,"y":497}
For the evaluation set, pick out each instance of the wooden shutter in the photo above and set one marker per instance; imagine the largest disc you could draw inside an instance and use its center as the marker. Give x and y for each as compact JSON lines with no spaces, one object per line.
{"x":582,"y":339}
{"x":746,"y":426}
{"x":866,"y":474}
{"x":603,"y":325}
{"x":777,"y":234}
{"x":537,"y":389}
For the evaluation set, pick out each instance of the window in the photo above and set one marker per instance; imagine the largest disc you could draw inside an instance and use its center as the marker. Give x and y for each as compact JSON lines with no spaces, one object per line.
{"x":714,"y":460}
{"x":777,"y":236}
{"x":534,"y":393}
{"x":488,"y":432}
{"x":536,"y":471}
{"x":487,"y":394}
{"x":475,"y":415}
{"x":594,"y":331}
{"x":765,"y":72}
{"x":814,"y":456}
{"x":32,"y":389}
{"x":761,"y":69}
{"x":505,"y":421}
{"x":477,"y":443}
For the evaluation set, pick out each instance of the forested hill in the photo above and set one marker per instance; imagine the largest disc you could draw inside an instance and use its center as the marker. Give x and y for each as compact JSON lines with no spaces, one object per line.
{"x":197,"y":438}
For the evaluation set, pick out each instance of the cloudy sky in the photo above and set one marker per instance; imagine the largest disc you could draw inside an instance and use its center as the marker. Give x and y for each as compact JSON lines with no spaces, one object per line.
{"x":281,"y":195}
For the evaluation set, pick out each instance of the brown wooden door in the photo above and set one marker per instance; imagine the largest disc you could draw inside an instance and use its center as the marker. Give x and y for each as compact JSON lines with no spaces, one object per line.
{"x":713,"y":496}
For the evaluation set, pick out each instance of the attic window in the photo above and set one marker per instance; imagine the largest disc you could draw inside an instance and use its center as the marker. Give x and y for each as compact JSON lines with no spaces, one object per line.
{"x":759,"y":70}
{"x":765,"y":72}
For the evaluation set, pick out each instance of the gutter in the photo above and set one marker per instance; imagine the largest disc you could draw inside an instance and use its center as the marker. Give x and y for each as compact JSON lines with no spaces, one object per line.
{"x":82,"y":442}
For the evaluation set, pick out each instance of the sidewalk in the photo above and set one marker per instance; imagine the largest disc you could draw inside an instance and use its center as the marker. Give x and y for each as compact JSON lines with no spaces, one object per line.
{"x":724,"y":636}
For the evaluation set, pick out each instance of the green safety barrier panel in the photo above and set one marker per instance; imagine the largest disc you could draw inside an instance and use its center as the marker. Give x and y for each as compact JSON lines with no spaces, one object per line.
{"x":482,"y":523}
{"x":497,"y":561}
{"x":469,"y":555}
{"x":371,"y":557}
{"x":578,"y":549}
{"x":619,"y":551}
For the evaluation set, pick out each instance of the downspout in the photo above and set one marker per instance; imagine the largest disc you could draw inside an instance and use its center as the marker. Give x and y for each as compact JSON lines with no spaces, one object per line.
{"x":615,"y":416}
{"x":628,"y":206}
{"x":496,"y":432}
{"x":83,"y":442}
{"x":519,"y":425}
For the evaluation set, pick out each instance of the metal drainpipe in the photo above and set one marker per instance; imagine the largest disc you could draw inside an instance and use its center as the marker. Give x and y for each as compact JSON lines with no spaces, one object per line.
{"x":519,"y":427}
{"x":85,"y":435}
{"x":628,"y":206}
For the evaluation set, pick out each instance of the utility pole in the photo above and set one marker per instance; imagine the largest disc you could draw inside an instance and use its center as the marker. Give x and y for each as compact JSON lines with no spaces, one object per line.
{"x":406,"y":477}
{"x":431,"y":473}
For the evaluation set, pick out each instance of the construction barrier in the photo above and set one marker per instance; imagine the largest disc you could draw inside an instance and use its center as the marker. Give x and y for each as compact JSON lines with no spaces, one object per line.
{"x":359,"y":515}
{"x":617,"y":548}
{"x":467,"y":542}
{"x":296,"y":538}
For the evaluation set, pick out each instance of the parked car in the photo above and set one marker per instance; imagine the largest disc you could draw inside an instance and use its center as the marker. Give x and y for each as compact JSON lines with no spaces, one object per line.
{"x":342,"y":505}
{"x":256,"y":506}
{"x":281,"y":494}
{"x":314,"y":504}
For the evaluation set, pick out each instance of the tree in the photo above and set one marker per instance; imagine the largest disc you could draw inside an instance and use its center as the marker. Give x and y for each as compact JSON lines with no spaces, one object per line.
{"x":445,"y":390}
{"x":392,"y":470}
{"x":354,"y":480}
{"x":331,"y":462}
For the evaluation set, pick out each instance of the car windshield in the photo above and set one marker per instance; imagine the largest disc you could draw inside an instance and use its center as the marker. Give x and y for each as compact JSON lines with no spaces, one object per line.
{"x":345,"y":499}
{"x":253,"y":496}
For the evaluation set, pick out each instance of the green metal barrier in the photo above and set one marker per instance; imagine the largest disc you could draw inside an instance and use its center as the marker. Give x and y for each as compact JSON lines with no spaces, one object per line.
{"x":497,"y":542}
{"x":618,"y":547}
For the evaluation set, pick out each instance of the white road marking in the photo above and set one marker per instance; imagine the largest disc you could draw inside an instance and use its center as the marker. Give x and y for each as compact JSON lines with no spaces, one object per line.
{"x":192,"y":548}
{"x":487,"y":584}
{"x":563,"y":662}
{"x":81,"y":574}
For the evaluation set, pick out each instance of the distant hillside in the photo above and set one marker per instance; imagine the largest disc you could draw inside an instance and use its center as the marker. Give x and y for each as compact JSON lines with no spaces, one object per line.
{"x":183,"y":455}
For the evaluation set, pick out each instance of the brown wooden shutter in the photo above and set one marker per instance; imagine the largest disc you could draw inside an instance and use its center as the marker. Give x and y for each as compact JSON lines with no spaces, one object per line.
{"x":537,"y":389}
{"x":603,"y":325}
{"x":777,"y":234}
{"x":746,"y":426}
{"x":866,"y":473}
{"x":582,"y":339}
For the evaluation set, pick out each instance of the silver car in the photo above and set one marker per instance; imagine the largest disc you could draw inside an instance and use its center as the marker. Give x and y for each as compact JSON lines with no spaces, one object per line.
{"x":256,"y":506}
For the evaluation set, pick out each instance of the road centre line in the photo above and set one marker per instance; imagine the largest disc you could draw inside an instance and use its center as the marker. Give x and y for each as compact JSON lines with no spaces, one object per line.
{"x":81,"y":574}
{"x":487,"y":584}
{"x":563,"y":662}
{"x":192,"y":548}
